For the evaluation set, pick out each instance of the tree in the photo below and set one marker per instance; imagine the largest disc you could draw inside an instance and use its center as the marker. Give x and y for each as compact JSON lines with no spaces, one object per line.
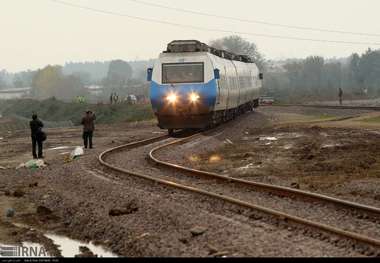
{"x":119,"y":73}
{"x":97,"y":69}
{"x":316,"y":79}
{"x":312,"y":74}
{"x":17,"y":82}
{"x":294,"y":74}
{"x":240,"y":46}
{"x":69,"y":87}
{"x":83,"y":76}
{"x":331,"y":79}
{"x":50,"y":82}
{"x":46,"y":82}
{"x":369,"y":71}
{"x":2,"y":83}
{"x":23,"y":79}
{"x":4,"y":79}
{"x":308,"y":78}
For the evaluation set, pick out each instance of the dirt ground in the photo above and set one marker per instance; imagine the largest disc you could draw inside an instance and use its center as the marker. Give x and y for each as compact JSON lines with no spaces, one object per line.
{"x":26,"y":191}
{"x":334,"y":155}
{"x":329,"y":151}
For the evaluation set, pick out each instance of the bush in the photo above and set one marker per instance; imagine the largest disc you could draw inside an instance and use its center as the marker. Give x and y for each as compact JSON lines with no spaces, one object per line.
{"x":54,"y":110}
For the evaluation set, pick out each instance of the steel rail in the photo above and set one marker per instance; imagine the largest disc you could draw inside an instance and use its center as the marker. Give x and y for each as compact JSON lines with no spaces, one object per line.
{"x":268,"y":187}
{"x":132,"y":145}
{"x":271,"y":212}
{"x":343,"y":107}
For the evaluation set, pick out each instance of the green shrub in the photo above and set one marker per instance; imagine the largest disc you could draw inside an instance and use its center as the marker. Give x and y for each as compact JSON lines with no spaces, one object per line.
{"x":54,"y":110}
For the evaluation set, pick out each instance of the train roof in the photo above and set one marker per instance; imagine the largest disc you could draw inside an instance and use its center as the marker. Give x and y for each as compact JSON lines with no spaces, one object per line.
{"x":182,"y":46}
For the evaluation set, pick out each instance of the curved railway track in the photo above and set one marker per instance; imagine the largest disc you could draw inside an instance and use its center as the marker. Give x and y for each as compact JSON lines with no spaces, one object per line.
{"x":343,"y":107}
{"x":275,"y":189}
{"x":363,"y":243}
{"x":356,"y":210}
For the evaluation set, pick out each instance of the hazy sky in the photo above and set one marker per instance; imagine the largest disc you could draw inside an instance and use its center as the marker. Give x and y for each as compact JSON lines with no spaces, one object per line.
{"x":35,"y":33}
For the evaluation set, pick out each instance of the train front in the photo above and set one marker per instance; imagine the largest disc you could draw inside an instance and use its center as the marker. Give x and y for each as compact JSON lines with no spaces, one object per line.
{"x":183,"y":90}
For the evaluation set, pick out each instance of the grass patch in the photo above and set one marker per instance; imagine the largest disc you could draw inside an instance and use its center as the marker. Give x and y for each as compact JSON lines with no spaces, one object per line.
{"x":54,"y":110}
{"x":371,"y":120}
{"x":301,"y":118}
{"x":324,"y":117}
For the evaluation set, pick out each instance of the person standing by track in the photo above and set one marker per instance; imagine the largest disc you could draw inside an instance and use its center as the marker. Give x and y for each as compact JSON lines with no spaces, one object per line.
{"x":88,"y":128}
{"x":340,"y":96}
{"x":111,"y":98}
{"x":38,"y":136}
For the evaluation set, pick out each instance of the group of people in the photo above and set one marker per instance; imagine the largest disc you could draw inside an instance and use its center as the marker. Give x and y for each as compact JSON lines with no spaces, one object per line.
{"x":114,"y":98}
{"x":38,"y":136}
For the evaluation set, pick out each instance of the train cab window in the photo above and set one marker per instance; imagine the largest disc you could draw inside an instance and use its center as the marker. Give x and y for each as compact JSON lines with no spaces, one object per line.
{"x":182,"y":73}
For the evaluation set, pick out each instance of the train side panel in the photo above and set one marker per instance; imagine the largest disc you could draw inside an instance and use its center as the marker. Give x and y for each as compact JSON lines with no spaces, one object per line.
{"x":239,"y":83}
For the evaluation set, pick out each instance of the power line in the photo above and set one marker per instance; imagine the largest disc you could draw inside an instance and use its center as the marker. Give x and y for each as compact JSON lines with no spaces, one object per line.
{"x":210,"y":29}
{"x":252,"y":21}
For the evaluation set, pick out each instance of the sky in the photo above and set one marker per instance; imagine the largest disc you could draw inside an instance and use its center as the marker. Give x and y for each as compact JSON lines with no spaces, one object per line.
{"x":35,"y":33}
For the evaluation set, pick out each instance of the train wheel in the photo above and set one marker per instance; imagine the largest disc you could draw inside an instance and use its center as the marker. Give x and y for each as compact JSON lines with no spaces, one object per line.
{"x":171,"y":132}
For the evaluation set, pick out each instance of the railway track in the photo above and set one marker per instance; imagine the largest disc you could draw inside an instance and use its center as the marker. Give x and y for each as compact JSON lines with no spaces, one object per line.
{"x":226,"y":189}
{"x":274,"y":189}
{"x":370,"y":108}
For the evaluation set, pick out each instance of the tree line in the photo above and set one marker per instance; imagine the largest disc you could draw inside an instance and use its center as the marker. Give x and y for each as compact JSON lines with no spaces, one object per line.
{"x":292,"y":80}
{"x":314,"y":78}
{"x":70,"y":81}
{"x":52,"y":82}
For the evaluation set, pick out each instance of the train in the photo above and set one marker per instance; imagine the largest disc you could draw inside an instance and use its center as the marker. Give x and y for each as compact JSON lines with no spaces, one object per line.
{"x":195,"y":86}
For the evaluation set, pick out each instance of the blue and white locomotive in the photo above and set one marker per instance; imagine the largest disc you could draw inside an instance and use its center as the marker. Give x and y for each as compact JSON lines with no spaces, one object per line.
{"x":197,"y":86}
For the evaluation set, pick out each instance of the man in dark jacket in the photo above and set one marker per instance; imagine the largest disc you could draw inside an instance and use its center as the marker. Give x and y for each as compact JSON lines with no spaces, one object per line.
{"x":36,"y":132}
{"x":340,"y":96}
{"x":88,"y":128}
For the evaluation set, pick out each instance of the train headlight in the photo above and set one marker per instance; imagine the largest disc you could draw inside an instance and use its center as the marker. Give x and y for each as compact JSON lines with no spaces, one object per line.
{"x":172,"y":98}
{"x":194,"y":97}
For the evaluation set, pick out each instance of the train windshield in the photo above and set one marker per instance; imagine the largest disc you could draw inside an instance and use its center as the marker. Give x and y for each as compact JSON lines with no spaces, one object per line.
{"x":182,"y":73}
